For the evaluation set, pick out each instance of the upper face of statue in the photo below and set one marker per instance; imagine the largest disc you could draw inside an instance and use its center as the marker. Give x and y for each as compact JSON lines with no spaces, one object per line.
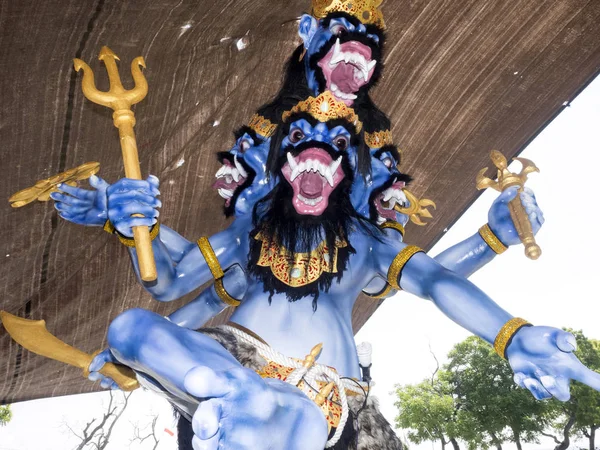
{"x":313,"y":167}
{"x":342,"y":55}
{"x":241,"y":181}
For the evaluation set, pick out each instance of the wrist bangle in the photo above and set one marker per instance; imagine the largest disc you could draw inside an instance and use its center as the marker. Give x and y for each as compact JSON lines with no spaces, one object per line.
{"x":393,"y":225}
{"x":506,"y":334}
{"x":217,"y":271}
{"x":109,"y":227}
{"x":130,"y":242}
{"x":398,"y":264}
{"x":492,"y":240}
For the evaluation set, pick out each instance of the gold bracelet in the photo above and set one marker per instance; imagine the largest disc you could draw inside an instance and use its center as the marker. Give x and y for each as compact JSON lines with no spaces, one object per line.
{"x":393,"y":225}
{"x":217,"y":271}
{"x":130,"y":242}
{"x":210,"y":257}
{"x":506,"y":333}
{"x":224,"y":295}
{"x":109,"y":227}
{"x":492,"y":240}
{"x":398,"y":264}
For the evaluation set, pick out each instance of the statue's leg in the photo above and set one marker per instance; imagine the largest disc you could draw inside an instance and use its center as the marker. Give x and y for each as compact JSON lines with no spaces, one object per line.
{"x":151,"y":344}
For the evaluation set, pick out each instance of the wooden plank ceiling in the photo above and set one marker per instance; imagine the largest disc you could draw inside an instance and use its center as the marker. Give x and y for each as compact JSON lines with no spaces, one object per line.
{"x":461,"y":78}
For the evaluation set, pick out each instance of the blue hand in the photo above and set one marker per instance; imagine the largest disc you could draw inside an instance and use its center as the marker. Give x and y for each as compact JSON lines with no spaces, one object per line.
{"x":543,"y":361}
{"x":500,"y":221}
{"x":245,"y":412}
{"x":127,"y":197}
{"x":81,"y":206}
{"x":96,"y":365}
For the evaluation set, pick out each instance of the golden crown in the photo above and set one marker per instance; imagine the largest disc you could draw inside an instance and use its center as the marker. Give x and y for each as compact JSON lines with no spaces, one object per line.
{"x":262,"y":126}
{"x":325,"y":107}
{"x":367,"y":11}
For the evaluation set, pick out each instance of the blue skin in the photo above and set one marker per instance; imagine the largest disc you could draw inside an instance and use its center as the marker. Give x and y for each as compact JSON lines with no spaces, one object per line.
{"x":540,"y":356}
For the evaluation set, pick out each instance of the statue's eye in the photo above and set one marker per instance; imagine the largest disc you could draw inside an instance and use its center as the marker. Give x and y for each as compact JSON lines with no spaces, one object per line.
{"x":338,"y":29}
{"x":296,"y":136}
{"x":341,"y":142}
{"x":388,"y":162}
{"x":245,"y":145}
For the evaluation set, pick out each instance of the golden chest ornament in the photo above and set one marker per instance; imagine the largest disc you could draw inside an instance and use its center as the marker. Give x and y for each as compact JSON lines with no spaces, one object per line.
{"x":297,"y":269}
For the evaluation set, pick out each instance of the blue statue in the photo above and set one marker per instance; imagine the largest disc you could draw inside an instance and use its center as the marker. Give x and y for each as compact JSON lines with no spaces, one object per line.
{"x":307,"y":254}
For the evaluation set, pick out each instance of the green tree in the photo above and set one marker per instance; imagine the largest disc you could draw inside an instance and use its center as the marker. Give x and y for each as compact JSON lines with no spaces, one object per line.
{"x":484,"y":386}
{"x":5,"y":415}
{"x":427,"y":411}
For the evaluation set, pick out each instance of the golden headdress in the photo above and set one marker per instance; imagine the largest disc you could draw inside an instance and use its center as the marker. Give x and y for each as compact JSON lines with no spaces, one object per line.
{"x":325,"y":107}
{"x":367,"y":11}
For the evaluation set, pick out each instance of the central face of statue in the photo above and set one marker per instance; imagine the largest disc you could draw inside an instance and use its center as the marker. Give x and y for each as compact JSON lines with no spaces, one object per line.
{"x":313,"y":167}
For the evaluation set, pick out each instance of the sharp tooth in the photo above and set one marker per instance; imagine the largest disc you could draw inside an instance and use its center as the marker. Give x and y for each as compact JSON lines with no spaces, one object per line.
{"x":337,"y":54}
{"x":333,"y":87}
{"x":351,"y":97}
{"x":295,"y":173}
{"x":235,"y":174}
{"x":388,"y":194}
{"x":291,"y":161}
{"x":328,"y":176}
{"x":347,"y":57}
{"x":365,"y":73}
{"x":334,"y":165}
{"x":361,"y":61}
{"x":220,"y":172}
{"x":371,"y":64}
{"x":239,"y":167}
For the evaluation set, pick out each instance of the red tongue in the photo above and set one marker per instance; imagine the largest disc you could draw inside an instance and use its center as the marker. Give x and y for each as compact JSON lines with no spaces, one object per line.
{"x":343,"y":77}
{"x":311,"y":185}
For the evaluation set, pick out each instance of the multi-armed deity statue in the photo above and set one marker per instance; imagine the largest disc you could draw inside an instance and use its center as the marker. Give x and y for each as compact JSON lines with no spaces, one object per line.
{"x":319,"y":207}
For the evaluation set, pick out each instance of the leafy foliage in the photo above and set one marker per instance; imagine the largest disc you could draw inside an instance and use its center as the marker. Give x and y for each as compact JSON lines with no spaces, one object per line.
{"x":5,"y":415}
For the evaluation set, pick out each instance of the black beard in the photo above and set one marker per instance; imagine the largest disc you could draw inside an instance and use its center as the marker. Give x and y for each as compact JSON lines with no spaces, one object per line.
{"x":229,"y":210}
{"x":276,"y":218}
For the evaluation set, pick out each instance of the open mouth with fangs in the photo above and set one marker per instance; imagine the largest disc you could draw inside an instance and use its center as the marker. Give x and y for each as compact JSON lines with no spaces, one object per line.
{"x":386,"y":200}
{"x":229,"y":178}
{"x":313,"y":175}
{"x":347,"y":67}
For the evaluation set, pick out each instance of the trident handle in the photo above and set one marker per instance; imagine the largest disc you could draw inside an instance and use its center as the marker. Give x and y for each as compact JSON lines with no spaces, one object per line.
{"x":523,"y":227}
{"x":120,"y":100}
{"x":124,"y":121}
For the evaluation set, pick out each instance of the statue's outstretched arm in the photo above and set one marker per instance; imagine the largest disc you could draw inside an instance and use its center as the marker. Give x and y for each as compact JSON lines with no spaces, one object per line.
{"x":540,"y":356}
{"x":470,"y":255}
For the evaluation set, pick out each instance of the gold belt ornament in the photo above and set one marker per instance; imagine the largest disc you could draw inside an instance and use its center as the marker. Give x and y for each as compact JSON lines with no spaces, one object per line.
{"x":120,"y":100}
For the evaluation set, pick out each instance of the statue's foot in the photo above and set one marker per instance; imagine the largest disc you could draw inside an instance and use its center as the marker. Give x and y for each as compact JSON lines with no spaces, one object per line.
{"x":244,"y":412}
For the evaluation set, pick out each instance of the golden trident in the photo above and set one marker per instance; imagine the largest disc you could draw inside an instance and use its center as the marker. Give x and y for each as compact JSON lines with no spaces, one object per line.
{"x":120,"y":100}
{"x":508,"y":179}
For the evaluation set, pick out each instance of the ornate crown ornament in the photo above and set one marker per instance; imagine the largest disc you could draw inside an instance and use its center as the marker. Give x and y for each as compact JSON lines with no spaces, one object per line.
{"x":367,"y":11}
{"x":262,"y":126}
{"x":325,"y":107}
{"x":378,"y":139}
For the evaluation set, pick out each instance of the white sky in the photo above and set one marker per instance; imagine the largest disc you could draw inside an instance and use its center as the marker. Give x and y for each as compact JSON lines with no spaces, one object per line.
{"x":556,"y":290}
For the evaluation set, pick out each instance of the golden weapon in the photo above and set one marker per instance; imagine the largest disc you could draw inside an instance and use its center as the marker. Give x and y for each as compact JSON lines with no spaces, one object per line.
{"x":416,"y":209}
{"x":35,"y":337}
{"x":508,"y":179}
{"x":42,"y":189}
{"x":120,"y":100}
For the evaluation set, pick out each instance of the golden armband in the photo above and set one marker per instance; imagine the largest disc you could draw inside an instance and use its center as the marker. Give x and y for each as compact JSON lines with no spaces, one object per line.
{"x":398,"y":264}
{"x":393,"y":225}
{"x":506,"y":334}
{"x":130,"y":242}
{"x":217,"y":271}
{"x":492,"y":240}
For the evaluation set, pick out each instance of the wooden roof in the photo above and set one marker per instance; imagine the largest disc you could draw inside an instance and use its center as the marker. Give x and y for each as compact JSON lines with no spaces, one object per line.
{"x":461,"y":78}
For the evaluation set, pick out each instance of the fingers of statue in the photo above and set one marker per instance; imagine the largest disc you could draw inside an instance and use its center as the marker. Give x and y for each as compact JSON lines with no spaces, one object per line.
{"x":100,"y":359}
{"x":149,"y":187}
{"x":566,"y":342}
{"x":70,"y":200}
{"x":121,"y":198}
{"x":536,"y":388}
{"x":584,"y":375}
{"x":79,"y":193}
{"x":557,"y":386}
{"x":98,"y":183}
